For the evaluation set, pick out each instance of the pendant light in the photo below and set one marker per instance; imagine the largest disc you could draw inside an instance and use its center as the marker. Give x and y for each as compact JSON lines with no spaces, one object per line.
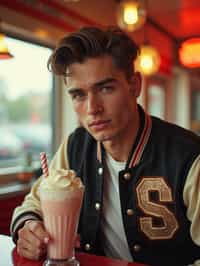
{"x":189,"y":53}
{"x":131,"y":14}
{"x":148,"y":61}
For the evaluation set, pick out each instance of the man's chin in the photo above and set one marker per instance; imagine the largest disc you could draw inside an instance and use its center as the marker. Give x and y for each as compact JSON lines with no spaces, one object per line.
{"x":102,"y":138}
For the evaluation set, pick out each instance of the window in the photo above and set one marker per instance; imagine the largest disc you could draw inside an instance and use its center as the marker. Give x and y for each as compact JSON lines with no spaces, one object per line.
{"x":195,"y":111}
{"x":157,"y":88}
{"x":25,"y":104}
{"x":195,"y":100}
{"x":156,"y":103}
{"x":196,"y":105}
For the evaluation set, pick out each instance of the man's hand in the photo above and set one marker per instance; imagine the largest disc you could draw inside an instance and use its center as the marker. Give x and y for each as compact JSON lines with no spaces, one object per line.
{"x":32,"y":240}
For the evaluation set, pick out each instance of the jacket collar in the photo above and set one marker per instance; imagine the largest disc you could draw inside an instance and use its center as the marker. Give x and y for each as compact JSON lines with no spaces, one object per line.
{"x":140,"y":141}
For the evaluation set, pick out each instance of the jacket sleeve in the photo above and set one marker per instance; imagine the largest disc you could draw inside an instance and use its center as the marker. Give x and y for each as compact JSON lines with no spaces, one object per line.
{"x":191,"y":197}
{"x":30,"y":209}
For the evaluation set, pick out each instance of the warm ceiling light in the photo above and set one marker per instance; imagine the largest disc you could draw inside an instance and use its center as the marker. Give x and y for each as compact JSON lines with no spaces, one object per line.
{"x":4,"y":53}
{"x":189,"y":53}
{"x":148,"y":61}
{"x":131,"y":14}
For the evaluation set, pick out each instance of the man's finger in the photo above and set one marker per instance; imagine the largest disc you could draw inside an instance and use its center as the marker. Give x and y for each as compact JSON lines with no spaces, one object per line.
{"x":31,"y":242}
{"x":29,"y":238}
{"x":37,"y":228}
{"x":25,"y":252}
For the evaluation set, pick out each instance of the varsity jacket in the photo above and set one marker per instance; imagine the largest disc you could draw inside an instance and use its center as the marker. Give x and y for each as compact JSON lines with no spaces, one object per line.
{"x":151,"y":192}
{"x":151,"y":188}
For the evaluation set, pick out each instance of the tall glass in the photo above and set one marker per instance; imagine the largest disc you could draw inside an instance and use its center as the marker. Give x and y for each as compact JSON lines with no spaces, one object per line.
{"x":61,"y":215}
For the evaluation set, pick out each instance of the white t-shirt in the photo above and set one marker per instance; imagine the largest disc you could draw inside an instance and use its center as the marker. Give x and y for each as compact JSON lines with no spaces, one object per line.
{"x":115,"y":243}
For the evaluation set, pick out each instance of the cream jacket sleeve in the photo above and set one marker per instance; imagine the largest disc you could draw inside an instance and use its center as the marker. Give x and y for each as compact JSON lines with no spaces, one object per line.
{"x":191,"y":197}
{"x":30,"y":208}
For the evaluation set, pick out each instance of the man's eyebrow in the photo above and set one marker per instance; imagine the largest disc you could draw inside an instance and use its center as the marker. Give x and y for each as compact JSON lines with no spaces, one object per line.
{"x":74,"y":90}
{"x":97,"y":84}
{"x":104,"y":81}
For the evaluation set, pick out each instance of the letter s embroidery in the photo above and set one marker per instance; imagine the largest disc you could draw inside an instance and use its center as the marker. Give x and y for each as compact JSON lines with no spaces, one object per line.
{"x":170,"y":224}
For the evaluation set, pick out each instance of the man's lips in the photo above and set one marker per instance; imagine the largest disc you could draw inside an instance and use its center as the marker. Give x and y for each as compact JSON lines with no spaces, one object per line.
{"x":99,"y":124}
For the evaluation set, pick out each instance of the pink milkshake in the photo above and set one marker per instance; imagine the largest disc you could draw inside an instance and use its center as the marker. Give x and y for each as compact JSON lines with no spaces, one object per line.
{"x":61,"y":195}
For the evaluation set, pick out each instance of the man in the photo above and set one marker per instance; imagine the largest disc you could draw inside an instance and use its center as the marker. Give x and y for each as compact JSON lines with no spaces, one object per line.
{"x":141,"y":174}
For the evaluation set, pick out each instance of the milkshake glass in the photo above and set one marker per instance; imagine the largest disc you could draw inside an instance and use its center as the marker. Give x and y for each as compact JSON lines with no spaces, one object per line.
{"x":61,"y":195}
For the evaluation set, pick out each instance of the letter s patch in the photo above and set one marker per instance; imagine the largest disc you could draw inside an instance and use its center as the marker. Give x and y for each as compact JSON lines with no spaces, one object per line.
{"x":151,"y":209}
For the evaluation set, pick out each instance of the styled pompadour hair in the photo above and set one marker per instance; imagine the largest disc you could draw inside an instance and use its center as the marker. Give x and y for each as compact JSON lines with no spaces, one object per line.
{"x":92,"y":42}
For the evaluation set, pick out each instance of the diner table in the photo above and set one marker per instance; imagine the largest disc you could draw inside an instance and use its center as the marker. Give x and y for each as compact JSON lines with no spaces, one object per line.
{"x":10,"y":257}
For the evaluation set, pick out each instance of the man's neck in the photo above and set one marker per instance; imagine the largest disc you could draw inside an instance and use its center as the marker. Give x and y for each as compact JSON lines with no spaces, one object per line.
{"x":120,"y":147}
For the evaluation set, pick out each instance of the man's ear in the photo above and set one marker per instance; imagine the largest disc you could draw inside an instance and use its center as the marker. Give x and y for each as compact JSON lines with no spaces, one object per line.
{"x":136,"y":84}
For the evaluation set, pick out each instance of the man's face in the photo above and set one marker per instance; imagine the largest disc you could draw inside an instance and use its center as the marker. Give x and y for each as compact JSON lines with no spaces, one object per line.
{"x":104,"y":101}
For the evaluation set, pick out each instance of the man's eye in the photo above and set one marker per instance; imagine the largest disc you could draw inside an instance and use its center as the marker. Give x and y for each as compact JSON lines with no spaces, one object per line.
{"x":106,"y":89}
{"x":78,"y":96}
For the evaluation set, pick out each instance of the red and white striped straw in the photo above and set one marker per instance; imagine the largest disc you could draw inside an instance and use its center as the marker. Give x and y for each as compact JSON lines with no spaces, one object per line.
{"x":44,"y":164}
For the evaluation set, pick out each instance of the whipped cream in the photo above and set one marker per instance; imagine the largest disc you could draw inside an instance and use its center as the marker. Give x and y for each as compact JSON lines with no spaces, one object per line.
{"x":61,"y":180}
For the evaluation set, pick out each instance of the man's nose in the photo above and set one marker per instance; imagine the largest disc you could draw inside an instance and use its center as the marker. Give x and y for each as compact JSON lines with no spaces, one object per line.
{"x":94,"y":105}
